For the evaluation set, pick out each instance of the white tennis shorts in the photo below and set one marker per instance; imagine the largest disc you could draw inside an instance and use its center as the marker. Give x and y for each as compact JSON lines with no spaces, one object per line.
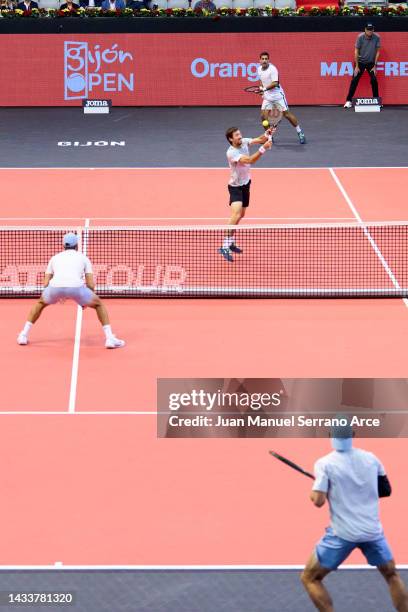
{"x":277,"y":99}
{"x":81,"y":295}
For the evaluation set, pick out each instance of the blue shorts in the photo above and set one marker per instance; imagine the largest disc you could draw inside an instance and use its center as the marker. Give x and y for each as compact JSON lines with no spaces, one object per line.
{"x":331,"y":550}
{"x":81,"y":295}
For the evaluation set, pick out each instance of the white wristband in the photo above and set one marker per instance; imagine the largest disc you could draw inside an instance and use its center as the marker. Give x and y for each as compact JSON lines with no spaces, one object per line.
{"x":262,"y":150}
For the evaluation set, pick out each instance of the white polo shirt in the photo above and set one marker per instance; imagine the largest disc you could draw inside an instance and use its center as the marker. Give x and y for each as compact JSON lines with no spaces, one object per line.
{"x":350,"y":480}
{"x":267,"y":77}
{"x":240,"y":173}
{"x":68,"y":268}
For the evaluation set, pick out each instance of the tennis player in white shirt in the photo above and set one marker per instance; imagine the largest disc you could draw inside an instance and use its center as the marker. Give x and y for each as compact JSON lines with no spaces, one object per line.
{"x":69,"y":276}
{"x":273,"y":93}
{"x":240,"y":161}
{"x":351,"y":480}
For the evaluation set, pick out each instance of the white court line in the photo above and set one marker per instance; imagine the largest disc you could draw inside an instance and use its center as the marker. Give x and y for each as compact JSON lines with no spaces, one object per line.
{"x":176,"y":218}
{"x":371,"y":240}
{"x":58,"y":566}
{"x":41,"y":218}
{"x":124,"y":117}
{"x":77,"y":343}
{"x":75,"y":361}
{"x":223,"y":168}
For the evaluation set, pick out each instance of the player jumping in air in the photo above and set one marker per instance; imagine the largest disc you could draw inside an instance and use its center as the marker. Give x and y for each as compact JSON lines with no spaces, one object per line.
{"x":240,"y":162}
{"x":64,"y":279}
{"x":273,"y":94}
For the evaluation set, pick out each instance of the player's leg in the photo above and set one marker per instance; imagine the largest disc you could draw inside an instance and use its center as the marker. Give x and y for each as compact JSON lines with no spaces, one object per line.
{"x":291,"y":118}
{"x":100,"y":309}
{"x":265,"y":110}
{"x":236,"y":213}
{"x":398,"y":590}
{"x":236,"y":196}
{"x":379,"y":554}
{"x":312,"y":579}
{"x":245,"y":189}
{"x":228,"y":246}
{"x":48,"y":297}
{"x":36,"y":311}
{"x":87,"y":298}
{"x":293,"y":121}
{"x":353,"y":86}
{"x":329,"y":553}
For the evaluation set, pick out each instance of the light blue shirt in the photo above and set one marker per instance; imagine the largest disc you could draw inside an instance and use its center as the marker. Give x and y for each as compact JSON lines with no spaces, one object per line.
{"x":350,"y":480}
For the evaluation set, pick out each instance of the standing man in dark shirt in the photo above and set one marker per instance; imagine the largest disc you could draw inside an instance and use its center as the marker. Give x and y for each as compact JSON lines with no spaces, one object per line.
{"x":366,"y":56}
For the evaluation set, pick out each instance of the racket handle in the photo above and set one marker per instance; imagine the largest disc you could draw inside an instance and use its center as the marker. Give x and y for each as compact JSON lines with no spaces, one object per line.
{"x":268,"y":134}
{"x":272,"y":131}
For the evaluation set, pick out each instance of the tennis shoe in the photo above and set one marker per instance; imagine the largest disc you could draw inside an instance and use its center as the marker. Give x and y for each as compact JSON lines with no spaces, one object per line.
{"x":113,"y":342}
{"x":226,"y":253}
{"x":22,"y":339}
{"x":302,"y":138}
{"x":348,"y":104}
{"x":235,"y":249}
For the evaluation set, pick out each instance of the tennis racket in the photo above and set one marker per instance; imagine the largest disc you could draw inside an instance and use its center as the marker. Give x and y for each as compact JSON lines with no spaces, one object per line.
{"x":253,"y":89}
{"x":275,"y":114}
{"x":291,"y":464}
{"x":274,"y":117}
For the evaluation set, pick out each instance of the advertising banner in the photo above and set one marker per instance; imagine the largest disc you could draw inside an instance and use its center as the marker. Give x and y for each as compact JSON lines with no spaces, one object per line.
{"x":190,"y":69}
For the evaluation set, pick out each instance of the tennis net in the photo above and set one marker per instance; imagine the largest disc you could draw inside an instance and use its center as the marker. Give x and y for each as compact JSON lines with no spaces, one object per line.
{"x":314,"y":260}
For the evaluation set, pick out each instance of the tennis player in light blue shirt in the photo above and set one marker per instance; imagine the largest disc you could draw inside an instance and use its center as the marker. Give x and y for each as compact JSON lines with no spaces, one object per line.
{"x":351,"y":480}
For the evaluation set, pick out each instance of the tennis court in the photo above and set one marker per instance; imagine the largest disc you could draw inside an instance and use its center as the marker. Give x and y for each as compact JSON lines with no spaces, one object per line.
{"x":78,"y":423}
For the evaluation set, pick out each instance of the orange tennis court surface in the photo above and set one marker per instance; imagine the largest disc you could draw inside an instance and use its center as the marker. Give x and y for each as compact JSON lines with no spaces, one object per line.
{"x":98,"y":489}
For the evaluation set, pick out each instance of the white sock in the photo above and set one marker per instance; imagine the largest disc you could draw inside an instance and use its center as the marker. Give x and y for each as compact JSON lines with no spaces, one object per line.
{"x":298,"y":129}
{"x":27,"y":327}
{"x":227,"y":242}
{"x":108,"y":331}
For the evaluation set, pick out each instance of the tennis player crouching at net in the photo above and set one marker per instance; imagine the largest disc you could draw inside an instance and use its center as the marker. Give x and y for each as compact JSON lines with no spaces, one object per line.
{"x":64,"y":279}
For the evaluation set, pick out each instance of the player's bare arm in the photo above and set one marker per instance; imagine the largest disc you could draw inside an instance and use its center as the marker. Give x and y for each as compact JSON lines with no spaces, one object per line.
{"x":268,"y":87}
{"x":261,"y":140}
{"x":252,"y":159}
{"x":89,"y":281}
{"x":318,"y":498}
{"x":47,"y":278}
